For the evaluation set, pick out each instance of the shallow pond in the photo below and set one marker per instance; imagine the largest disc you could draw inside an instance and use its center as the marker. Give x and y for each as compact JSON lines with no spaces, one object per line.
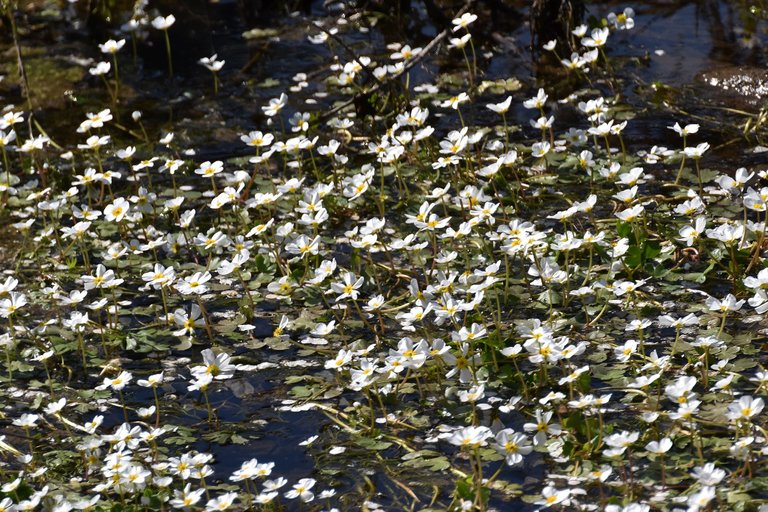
{"x":386,"y":445}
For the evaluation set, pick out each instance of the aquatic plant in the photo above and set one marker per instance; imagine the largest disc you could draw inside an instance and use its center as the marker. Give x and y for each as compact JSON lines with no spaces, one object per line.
{"x":444,"y":306}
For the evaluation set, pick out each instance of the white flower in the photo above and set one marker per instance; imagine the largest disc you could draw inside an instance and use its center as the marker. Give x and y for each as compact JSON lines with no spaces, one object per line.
{"x":696,"y":152}
{"x":302,"y":490}
{"x":683,"y":131}
{"x":501,"y":108}
{"x":101,"y":68}
{"x":9,"y":306}
{"x":459,"y":42}
{"x":194,"y":284}
{"x":116,"y":210}
{"x":463,"y":21}
{"x":551,"y":496}
{"x":222,"y":502}
{"x":163,"y":23}
{"x":349,"y":287}
{"x":540,"y":149}
{"x":25,"y":421}
{"x":112,"y":46}
{"x":405,"y":53}
{"x":708,"y":474}
{"x":118,"y":383}
{"x":659,"y":447}
{"x":470,"y":437}
{"x":537,"y":101}
{"x":211,"y":63}
{"x":598,"y":37}
{"x":624,"y":20}
{"x":745,"y":408}
{"x":631,"y":214}
{"x":512,"y":445}
{"x":275,"y":105}
{"x":729,"y":303}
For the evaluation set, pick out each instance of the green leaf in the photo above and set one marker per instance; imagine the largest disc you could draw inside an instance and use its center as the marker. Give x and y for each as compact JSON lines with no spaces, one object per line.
{"x":373,"y":444}
{"x":426,"y":459}
{"x":633,"y":257}
{"x":624,"y":229}
{"x":652,"y":248}
{"x":260,"y":33}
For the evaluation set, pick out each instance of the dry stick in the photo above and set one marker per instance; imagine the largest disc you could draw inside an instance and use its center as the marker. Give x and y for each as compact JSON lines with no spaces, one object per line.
{"x":411,"y":63}
{"x":22,"y":73}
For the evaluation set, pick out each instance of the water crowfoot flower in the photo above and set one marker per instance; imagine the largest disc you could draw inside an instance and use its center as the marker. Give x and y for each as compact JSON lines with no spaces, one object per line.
{"x":11,"y":305}
{"x":164,"y":23}
{"x":222,"y":502}
{"x":597,"y":38}
{"x":512,"y":446}
{"x":470,"y":437}
{"x":302,"y":490}
{"x":213,"y":65}
{"x":186,"y":497}
{"x":542,"y":427}
{"x":708,"y":474}
{"x":349,"y":287}
{"x":745,"y":408}
{"x":218,"y":366}
{"x":551,"y":496}
{"x":111,"y":47}
{"x":463,"y":21}
{"x":624,"y":20}
{"x":117,"y":210}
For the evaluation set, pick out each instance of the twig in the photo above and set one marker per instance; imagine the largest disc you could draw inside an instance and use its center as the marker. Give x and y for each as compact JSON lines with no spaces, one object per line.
{"x":24,"y":81}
